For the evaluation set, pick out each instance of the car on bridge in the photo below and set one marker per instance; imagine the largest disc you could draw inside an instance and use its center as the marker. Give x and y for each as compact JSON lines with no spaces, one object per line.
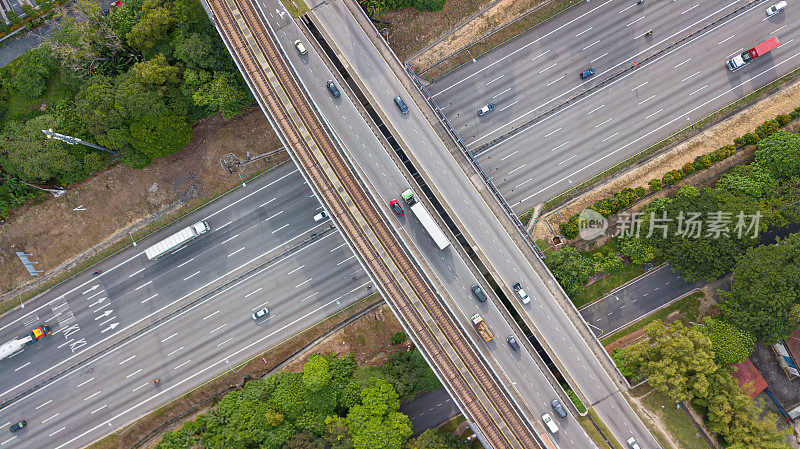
{"x":523,"y":297}
{"x":401,"y":105}
{"x":332,"y":87}
{"x":396,"y":207}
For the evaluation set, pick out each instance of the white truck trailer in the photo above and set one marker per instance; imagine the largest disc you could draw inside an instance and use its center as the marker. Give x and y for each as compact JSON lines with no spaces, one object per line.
{"x":425,"y":218}
{"x":177,"y":240}
{"x":16,"y":345}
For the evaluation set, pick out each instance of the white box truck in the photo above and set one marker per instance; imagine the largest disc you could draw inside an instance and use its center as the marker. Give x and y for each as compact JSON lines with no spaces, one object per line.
{"x":425,"y":218}
{"x":177,"y":240}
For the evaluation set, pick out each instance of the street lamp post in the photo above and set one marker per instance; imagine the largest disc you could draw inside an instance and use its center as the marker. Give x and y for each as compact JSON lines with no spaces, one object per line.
{"x":132,"y":239}
{"x":75,"y":141}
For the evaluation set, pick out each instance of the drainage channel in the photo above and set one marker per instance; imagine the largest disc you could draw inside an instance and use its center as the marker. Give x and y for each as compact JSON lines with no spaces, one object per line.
{"x":423,"y":186}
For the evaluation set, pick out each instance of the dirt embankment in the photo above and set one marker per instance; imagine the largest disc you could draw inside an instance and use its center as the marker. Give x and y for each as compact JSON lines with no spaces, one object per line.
{"x":61,"y":229}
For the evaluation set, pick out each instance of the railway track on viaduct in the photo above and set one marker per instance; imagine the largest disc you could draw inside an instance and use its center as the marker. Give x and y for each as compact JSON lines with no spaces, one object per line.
{"x":401,"y":280}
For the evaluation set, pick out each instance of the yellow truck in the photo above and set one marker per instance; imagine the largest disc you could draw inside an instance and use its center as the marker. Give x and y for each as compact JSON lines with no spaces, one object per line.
{"x":482,"y":327}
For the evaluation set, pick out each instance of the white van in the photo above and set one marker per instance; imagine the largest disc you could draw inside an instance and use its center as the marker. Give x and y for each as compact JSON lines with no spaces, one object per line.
{"x":320,"y":216}
{"x":548,"y":421}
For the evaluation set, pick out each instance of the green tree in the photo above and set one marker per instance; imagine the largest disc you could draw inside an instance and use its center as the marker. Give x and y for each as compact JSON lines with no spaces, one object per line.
{"x":156,"y":71}
{"x":304,"y":441}
{"x":316,"y":372}
{"x":638,"y":251}
{"x":222,"y":93}
{"x":32,"y":70}
{"x":779,"y":154}
{"x":376,"y":423}
{"x":432,"y":439}
{"x":751,"y":180}
{"x":134,"y":99}
{"x":94,"y":161}
{"x":409,"y":373}
{"x":160,"y":135}
{"x":606,"y":262}
{"x":570,"y":268}
{"x":676,"y":360}
{"x":735,"y":417}
{"x":26,"y":152}
{"x":200,"y":50}
{"x":337,"y":433}
{"x":155,"y":25}
{"x":688,"y":241}
{"x":731,"y":344}
{"x":765,"y":291}
{"x":95,"y":108}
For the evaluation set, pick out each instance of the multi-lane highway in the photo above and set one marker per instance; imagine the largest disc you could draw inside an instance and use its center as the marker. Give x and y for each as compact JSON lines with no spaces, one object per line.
{"x":539,"y":71}
{"x":184,"y":342}
{"x":488,"y":235}
{"x":518,"y":369}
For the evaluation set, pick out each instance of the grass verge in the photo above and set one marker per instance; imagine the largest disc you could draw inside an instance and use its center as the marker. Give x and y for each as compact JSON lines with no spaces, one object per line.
{"x":296,"y":7}
{"x":680,"y":426}
{"x":158,"y":421}
{"x":600,"y":288}
{"x":499,"y":37}
{"x":688,"y":306}
{"x":679,"y":136}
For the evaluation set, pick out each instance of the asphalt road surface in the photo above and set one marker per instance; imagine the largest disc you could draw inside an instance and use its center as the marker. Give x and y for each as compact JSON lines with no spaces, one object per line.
{"x":635,"y":300}
{"x":517,"y":370}
{"x":417,"y":136}
{"x":430,"y":409}
{"x":613,"y":121}
{"x":183,"y":342}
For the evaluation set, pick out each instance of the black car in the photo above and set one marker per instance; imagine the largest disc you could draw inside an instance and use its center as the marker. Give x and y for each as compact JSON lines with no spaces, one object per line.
{"x":332,"y":87}
{"x":18,"y":426}
{"x":556,"y":404}
{"x":513,"y":343}
{"x":478,"y":292}
{"x":587,"y":73}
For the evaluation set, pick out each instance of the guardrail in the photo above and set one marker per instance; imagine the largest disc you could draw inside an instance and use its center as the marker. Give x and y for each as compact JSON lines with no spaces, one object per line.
{"x":472,"y":160}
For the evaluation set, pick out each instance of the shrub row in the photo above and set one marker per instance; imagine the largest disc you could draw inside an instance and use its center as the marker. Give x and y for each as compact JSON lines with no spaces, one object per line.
{"x":628,"y":195}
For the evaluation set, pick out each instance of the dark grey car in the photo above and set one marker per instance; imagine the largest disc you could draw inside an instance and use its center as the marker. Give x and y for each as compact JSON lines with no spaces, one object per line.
{"x":478,"y":292}
{"x":18,"y":426}
{"x":556,"y":404}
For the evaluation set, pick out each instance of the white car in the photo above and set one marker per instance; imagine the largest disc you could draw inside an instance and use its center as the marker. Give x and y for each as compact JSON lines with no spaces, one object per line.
{"x":521,"y":293}
{"x":259,"y":313}
{"x":300,"y":47}
{"x":632,"y":443}
{"x":776,"y":8}
{"x":548,"y":421}
{"x":320,"y":216}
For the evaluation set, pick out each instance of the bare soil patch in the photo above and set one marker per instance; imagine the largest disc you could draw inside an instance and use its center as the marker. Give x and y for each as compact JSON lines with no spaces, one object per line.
{"x":367,"y":339}
{"x":705,"y":142}
{"x":500,"y":13}
{"x":119,"y":197}
{"x":412,"y":30}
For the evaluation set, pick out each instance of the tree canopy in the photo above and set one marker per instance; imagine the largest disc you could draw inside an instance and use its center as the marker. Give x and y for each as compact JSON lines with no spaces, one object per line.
{"x":765,"y":291}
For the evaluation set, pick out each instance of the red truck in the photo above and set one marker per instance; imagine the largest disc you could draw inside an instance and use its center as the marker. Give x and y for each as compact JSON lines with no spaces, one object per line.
{"x":761,"y":49}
